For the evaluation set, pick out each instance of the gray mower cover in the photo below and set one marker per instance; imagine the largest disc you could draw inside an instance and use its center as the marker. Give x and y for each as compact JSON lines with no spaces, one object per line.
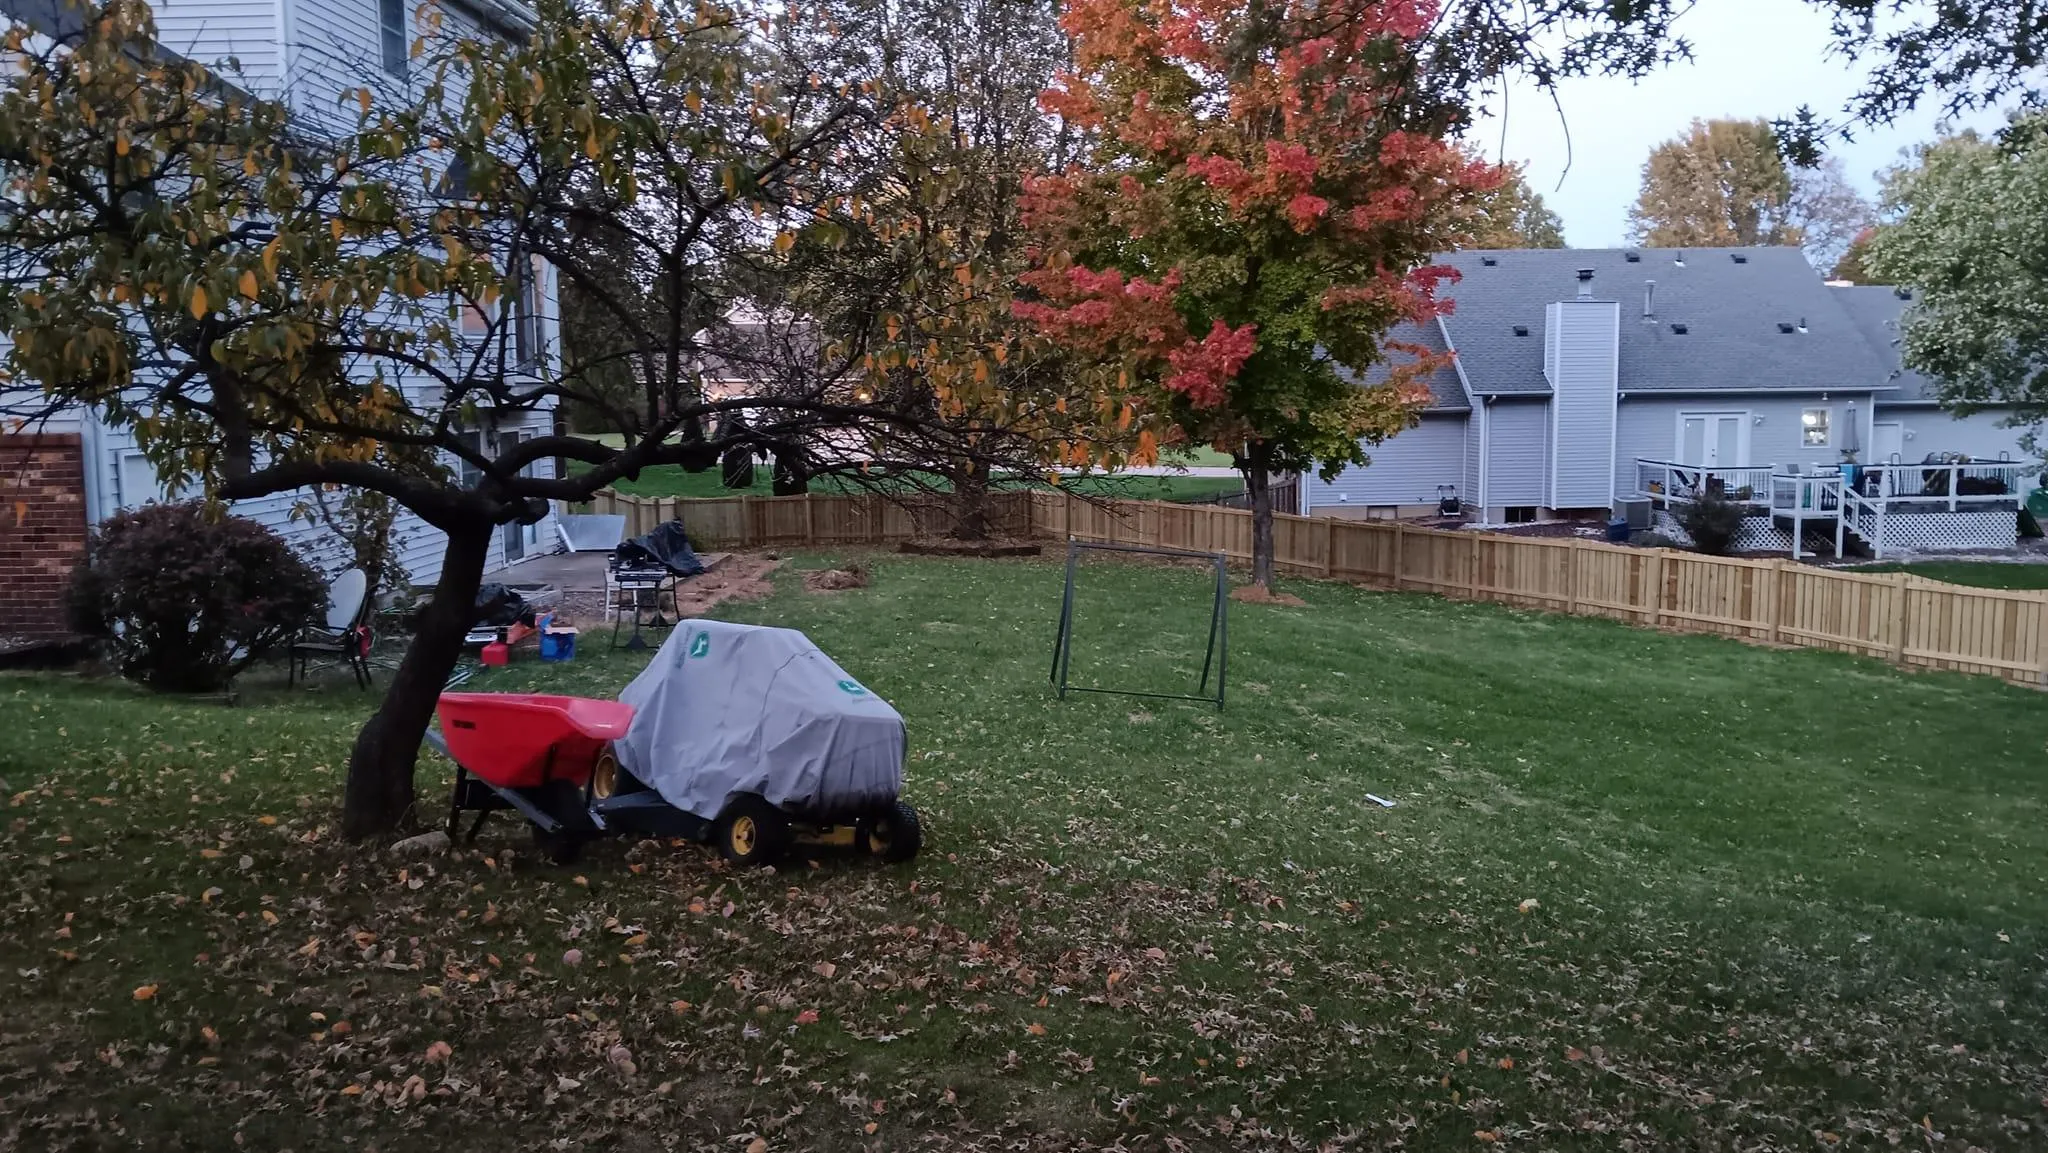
{"x":725,"y":709}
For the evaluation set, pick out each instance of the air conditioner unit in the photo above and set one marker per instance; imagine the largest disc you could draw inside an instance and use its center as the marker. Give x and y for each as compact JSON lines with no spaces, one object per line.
{"x":1635,"y":512}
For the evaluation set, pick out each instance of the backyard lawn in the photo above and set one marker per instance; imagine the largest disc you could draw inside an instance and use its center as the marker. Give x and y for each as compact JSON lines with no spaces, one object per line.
{"x":1638,"y":891}
{"x":1979,"y":574}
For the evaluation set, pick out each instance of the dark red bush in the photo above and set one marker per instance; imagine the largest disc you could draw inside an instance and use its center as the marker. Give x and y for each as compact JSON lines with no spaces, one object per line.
{"x":185,"y":599}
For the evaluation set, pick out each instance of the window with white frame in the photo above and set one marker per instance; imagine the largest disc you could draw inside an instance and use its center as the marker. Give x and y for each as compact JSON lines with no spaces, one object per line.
{"x":1815,"y":427}
{"x":392,"y":35}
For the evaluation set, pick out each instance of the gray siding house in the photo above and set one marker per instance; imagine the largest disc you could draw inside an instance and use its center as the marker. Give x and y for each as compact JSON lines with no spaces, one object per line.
{"x":1586,"y":381}
{"x":307,"y":53}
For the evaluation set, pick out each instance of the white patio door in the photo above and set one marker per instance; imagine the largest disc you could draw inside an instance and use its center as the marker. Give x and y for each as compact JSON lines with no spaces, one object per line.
{"x":1713,"y":439}
{"x":1887,"y":440}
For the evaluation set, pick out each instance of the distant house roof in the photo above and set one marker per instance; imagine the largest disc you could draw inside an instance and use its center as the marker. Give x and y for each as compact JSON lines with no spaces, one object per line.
{"x":1875,"y":310}
{"x":1754,"y":320}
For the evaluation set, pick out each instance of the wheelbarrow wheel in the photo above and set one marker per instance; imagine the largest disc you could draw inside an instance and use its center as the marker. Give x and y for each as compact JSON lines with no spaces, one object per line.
{"x":892,"y":834}
{"x":564,"y":802}
{"x":752,"y":832}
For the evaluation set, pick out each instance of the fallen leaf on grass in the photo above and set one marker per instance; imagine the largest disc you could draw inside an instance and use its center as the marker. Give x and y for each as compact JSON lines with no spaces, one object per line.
{"x":1035,"y":1029}
{"x":679,"y":1006}
{"x":807,"y":1017}
{"x":311,"y":948}
{"x":439,"y":1051}
{"x":352,"y":1089}
{"x":1507,"y":1062}
{"x":1574,"y":1054}
{"x":758,"y":1145}
{"x":1486,"y":1136}
{"x":572,"y":957}
{"x":269,"y":918}
{"x":266,"y":819}
{"x":210,"y":854}
{"x":1528,"y":904}
{"x":145,"y":993}
{"x":636,"y":940}
{"x":825,"y":969}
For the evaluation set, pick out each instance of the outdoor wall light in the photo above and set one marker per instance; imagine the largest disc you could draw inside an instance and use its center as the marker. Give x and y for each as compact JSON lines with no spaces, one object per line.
{"x":1757,"y":421}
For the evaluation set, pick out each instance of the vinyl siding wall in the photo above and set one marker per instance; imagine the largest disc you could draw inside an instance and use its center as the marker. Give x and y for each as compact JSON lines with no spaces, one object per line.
{"x":214,"y":31}
{"x":1934,"y":430}
{"x":1582,"y":378}
{"x":1648,"y":427}
{"x":1517,"y":453}
{"x":1405,"y":470}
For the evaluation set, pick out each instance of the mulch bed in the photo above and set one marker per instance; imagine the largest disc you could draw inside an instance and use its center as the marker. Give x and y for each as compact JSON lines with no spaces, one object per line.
{"x":943,"y":546}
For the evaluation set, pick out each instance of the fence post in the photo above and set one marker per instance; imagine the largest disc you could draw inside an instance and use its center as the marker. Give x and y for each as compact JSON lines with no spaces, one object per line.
{"x":1777,"y":599}
{"x":1654,"y":578}
{"x":2041,"y":635}
{"x":1571,"y":576}
{"x":1472,"y":571}
{"x":1400,"y":539}
{"x":810,"y":521}
{"x":1903,"y":581}
{"x":746,"y":521}
{"x":1329,"y":546}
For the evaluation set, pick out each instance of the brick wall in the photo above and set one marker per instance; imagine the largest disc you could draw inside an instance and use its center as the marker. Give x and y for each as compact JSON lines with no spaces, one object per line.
{"x":42,"y":530}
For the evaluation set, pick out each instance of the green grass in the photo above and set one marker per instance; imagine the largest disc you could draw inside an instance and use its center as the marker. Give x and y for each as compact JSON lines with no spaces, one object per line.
{"x":1639,"y":891}
{"x":1978,"y":574}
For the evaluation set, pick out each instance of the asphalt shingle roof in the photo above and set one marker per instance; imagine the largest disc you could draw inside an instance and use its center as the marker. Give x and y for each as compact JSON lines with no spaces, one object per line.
{"x":1446,"y":394}
{"x":1732,"y":311}
{"x":1876,"y":311}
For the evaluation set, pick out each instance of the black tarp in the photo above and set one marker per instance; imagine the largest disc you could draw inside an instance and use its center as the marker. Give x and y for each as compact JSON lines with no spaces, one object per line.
{"x":668,"y":545}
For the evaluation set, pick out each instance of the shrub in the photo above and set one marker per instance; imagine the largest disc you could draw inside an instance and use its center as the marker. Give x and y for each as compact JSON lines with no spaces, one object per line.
{"x":1711,"y":521}
{"x":186,"y":599}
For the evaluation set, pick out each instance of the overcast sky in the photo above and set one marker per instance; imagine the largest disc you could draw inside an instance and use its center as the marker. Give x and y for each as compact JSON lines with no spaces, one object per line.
{"x":1751,"y":58}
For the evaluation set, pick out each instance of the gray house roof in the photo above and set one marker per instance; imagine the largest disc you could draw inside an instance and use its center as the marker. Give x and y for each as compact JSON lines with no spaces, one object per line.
{"x":1446,"y":394}
{"x":1875,"y":311}
{"x":1733,"y":303}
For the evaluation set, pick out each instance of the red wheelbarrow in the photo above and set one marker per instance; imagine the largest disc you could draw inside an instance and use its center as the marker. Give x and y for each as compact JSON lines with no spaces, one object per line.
{"x":532,"y":753}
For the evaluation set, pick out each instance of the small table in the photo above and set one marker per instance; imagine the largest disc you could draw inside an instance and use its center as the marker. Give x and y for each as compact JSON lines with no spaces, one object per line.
{"x":646,"y":584}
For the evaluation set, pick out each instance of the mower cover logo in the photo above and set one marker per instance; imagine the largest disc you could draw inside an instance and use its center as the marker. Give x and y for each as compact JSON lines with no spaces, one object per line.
{"x":700,"y":646}
{"x":852,"y":689}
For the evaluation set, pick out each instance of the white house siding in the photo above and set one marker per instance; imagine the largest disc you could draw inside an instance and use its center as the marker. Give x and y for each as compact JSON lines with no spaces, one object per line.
{"x":1517,"y":454}
{"x":1929,"y":430}
{"x":1474,"y":437}
{"x":213,"y":32}
{"x":1405,"y":470}
{"x":1647,"y":426}
{"x":1582,"y":406}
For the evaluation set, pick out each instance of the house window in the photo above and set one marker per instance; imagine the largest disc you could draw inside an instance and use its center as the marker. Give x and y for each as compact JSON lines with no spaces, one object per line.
{"x":391,"y":29}
{"x":1521,"y":514}
{"x":1813,"y":427}
{"x":528,"y":308}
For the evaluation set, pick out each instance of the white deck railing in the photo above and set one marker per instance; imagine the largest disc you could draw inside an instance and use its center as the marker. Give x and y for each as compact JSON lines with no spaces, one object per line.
{"x":1950,"y":487}
{"x":1673,"y":480}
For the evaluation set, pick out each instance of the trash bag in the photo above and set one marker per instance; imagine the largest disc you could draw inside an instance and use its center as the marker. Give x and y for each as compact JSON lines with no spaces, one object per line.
{"x":668,"y":545}
{"x":498,"y":605}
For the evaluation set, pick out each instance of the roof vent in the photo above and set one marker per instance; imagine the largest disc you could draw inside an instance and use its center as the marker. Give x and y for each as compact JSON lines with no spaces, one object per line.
{"x":1903,"y":293}
{"x":1678,"y":258}
{"x":1786,"y":327}
{"x":1489,"y":261}
{"x":1802,"y":324}
{"x":1521,"y":330}
{"x":1738,"y":258}
{"x":1678,"y":328}
{"x":1632,"y":257}
{"x":1585,"y":284}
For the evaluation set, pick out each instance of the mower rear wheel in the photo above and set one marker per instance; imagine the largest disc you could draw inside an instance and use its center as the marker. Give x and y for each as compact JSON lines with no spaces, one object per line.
{"x":608,"y":778}
{"x":752,"y":832}
{"x":892,"y":834}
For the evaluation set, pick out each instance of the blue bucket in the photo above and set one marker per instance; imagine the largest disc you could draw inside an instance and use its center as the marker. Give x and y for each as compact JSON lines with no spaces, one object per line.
{"x":558,"y":645}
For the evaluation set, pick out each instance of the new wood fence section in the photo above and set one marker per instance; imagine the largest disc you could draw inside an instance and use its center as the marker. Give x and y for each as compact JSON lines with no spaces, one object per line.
{"x":1896,"y":617}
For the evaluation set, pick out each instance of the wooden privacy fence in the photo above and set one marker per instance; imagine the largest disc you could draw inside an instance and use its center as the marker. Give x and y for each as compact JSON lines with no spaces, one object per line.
{"x":1897,"y":617}
{"x":815,"y":518}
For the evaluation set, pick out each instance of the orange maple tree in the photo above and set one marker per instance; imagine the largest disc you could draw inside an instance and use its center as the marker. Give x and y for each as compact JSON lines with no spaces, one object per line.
{"x":1256,"y":212}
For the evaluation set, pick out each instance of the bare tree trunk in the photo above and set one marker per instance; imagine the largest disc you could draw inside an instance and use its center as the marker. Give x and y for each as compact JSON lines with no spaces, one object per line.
{"x":970,"y":502}
{"x":379,"y":795}
{"x":1255,"y":484}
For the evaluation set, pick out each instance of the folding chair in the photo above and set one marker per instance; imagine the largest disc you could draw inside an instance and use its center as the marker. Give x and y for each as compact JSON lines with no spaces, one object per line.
{"x":346,"y":634}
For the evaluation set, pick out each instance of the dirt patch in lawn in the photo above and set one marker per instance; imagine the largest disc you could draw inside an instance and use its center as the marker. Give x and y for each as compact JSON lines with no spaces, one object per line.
{"x":994,"y":547}
{"x":1261,"y":595}
{"x":741,"y":577}
{"x":853,"y":576}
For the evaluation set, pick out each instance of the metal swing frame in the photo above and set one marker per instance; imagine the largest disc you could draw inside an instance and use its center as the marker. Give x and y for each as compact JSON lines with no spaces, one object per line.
{"x":1216,"y":658}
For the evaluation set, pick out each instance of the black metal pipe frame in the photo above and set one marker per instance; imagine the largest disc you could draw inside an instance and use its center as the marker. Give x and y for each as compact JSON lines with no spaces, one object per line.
{"x":1216,"y":657}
